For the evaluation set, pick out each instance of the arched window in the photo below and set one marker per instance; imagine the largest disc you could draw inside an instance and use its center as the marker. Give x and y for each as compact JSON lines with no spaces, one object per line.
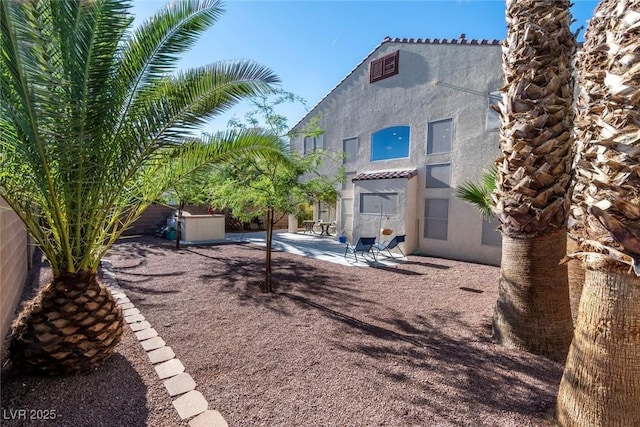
{"x":390,"y":143}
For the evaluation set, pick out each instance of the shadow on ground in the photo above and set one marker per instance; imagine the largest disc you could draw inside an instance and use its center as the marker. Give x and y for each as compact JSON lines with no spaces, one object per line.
{"x":111,"y":396}
{"x":421,"y":336}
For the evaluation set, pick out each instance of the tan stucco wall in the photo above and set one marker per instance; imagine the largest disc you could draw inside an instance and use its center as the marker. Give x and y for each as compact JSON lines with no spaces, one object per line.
{"x":402,"y":222}
{"x":411,"y":220}
{"x":202,"y":227}
{"x":435,"y":82}
{"x":14,"y":264}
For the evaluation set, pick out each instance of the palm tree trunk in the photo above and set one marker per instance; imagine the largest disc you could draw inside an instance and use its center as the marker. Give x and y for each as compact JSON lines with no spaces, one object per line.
{"x":601,"y":381}
{"x":533,"y":312}
{"x":575,"y":272}
{"x":72,"y":325}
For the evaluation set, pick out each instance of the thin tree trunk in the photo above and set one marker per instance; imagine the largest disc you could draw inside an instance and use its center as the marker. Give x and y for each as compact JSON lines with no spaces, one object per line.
{"x":533,"y":312}
{"x":179,"y":224}
{"x":575,"y":272}
{"x":601,"y":381}
{"x":267,"y":275}
{"x":72,"y":325}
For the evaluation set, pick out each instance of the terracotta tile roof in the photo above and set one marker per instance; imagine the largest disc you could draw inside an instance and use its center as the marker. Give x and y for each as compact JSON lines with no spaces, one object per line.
{"x":409,"y":173}
{"x":459,"y":41}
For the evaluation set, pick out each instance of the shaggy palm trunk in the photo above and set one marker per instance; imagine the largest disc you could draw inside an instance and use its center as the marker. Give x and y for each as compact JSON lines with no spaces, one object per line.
{"x":72,"y":325}
{"x":533,"y":312}
{"x":575,"y":273}
{"x":601,"y":382}
{"x":600,"y":386}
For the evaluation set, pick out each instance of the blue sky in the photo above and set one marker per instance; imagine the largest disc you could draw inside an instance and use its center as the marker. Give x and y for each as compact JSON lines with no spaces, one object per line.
{"x":313,"y":44}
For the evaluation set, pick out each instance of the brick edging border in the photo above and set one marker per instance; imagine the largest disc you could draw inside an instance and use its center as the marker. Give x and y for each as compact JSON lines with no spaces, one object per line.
{"x":188,"y":402}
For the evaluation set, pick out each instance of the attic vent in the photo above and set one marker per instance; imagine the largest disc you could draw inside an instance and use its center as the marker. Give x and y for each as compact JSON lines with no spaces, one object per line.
{"x":384,"y":67}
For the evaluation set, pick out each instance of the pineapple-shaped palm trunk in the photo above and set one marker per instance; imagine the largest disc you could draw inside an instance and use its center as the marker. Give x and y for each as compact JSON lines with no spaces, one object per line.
{"x":601,"y":382}
{"x":73,"y":325}
{"x":533,"y":312}
{"x":96,"y":125}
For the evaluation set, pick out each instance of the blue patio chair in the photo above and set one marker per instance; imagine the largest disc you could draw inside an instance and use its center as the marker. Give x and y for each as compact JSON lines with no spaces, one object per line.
{"x":393,"y":243}
{"x":363,"y":245}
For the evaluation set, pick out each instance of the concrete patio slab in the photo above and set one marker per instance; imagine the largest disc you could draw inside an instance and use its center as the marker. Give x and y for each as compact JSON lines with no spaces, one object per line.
{"x":325,"y":248}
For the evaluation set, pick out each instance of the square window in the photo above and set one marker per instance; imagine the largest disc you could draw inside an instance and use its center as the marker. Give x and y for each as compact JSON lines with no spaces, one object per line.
{"x":313,"y":143}
{"x":377,"y":203}
{"x":390,"y":143}
{"x":439,"y":137}
{"x":439,"y":176}
{"x":436,"y":219}
{"x":350,"y":149}
{"x":436,"y":229}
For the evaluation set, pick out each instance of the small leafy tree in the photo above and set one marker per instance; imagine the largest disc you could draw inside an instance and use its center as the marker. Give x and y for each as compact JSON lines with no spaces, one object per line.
{"x":270,"y":188}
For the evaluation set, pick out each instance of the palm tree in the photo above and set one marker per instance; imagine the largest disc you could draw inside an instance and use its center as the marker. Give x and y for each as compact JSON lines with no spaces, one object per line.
{"x":95,"y":124}
{"x":480,"y":195}
{"x":601,"y":381}
{"x":534,"y":176}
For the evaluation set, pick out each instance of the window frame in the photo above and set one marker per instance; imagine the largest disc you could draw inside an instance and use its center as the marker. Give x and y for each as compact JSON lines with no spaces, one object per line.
{"x":317,"y":142}
{"x":408,"y":147}
{"x":384,"y":67}
{"x":431,"y":165}
{"x":428,"y":218}
{"x":361,"y":207}
{"x":346,"y":159}
{"x":430,"y":137}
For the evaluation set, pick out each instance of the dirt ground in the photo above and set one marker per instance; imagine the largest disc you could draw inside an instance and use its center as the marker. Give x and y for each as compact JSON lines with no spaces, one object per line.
{"x":332,"y":346}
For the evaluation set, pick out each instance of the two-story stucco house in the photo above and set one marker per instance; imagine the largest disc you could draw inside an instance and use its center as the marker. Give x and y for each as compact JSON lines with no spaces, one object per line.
{"x":414,"y":121}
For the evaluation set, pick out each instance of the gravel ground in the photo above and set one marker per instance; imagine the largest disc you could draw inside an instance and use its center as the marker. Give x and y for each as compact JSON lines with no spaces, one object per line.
{"x":332,"y":346}
{"x":124,"y":392}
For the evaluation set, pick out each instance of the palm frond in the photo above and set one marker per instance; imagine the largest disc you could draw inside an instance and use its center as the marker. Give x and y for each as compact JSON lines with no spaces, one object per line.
{"x":479,"y":195}
{"x":90,"y":115}
{"x":151,"y":53}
